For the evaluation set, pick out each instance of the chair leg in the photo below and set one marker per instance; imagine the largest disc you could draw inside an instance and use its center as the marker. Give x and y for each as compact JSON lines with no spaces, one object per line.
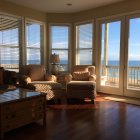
{"x":68,"y":100}
{"x":92,"y":101}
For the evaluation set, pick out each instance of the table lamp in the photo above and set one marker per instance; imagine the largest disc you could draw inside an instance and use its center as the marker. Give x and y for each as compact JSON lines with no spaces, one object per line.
{"x":55,"y":60}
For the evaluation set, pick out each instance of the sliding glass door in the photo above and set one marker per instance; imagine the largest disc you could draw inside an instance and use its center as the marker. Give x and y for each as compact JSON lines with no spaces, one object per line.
{"x":110,"y":59}
{"x":119,"y":59}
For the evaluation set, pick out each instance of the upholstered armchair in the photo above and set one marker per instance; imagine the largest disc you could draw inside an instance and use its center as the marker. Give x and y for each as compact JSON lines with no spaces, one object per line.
{"x":82,"y":82}
{"x":34,"y":77}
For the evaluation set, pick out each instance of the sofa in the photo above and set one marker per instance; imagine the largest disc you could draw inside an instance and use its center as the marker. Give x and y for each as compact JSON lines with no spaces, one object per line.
{"x":34,"y":77}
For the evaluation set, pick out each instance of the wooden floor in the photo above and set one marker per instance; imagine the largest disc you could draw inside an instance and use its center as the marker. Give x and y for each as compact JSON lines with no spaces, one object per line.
{"x":107,"y":120}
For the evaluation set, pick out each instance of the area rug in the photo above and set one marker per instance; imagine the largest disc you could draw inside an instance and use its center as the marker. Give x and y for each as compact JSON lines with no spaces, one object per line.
{"x":74,"y":106}
{"x":100,"y":98}
{"x":85,"y":104}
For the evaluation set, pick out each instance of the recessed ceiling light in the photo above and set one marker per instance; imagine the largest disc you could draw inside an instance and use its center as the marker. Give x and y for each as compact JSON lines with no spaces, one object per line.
{"x":69,"y":4}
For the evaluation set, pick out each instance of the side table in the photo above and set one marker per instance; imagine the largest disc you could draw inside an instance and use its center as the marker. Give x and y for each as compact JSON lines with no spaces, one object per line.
{"x":61,"y":79}
{"x":62,"y":93}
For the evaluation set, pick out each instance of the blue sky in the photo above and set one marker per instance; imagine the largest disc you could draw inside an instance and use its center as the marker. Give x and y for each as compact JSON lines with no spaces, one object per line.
{"x":60,"y":35}
{"x":114,"y":40}
{"x":134,"y":39}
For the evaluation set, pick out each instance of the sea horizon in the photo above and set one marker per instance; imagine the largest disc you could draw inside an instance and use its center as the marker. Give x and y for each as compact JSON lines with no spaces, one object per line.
{"x":110,"y":62}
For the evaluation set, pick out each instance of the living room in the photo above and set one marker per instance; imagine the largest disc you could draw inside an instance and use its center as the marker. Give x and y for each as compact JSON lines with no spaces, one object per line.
{"x":102,"y":26}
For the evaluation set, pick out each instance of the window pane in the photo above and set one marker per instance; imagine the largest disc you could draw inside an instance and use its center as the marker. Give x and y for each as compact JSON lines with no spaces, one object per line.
{"x":9,"y":37}
{"x":33,"y":56}
{"x":85,"y":59}
{"x":110,"y":54}
{"x":9,"y":42}
{"x":60,"y":44}
{"x":63,"y":54}
{"x":9,"y":57}
{"x":33,"y":44}
{"x":33,"y":35}
{"x":84,"y":35}
{"x":59,"y":37}
{"x":133,"y":69}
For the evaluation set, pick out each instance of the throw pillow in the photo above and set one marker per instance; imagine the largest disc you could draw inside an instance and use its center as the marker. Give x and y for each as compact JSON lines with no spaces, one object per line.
{"x":81,"y":76}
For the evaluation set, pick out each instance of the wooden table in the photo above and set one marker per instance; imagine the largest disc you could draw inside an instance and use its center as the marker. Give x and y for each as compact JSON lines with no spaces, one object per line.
{"x":20,"y":107}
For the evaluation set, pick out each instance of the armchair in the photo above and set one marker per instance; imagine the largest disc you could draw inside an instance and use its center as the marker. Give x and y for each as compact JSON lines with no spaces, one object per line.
{"x":34,"y":77}
{"x":82,"y":82}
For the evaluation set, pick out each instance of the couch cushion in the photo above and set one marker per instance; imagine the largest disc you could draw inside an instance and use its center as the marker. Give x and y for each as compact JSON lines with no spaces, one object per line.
{"x":37,"y":73}
{"x":81,"y":76}
{"x":82,"y":85}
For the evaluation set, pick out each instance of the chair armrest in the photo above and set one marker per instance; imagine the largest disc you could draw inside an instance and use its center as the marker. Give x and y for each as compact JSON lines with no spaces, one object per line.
{"x":51,"y":78}
{"x":68,"y":78}
{"x":92,"y":77}
{"x":24,"y":80}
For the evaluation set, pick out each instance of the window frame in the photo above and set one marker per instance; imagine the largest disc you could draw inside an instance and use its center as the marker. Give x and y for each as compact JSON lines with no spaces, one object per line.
{"x":77,"y":49}
{"x":42,"y":40}
{"x":18,"y":46}
{"x":69,"y":43}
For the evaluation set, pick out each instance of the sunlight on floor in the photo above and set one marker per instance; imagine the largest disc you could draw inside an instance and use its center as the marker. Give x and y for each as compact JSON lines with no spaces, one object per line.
{"x":125,"y":100}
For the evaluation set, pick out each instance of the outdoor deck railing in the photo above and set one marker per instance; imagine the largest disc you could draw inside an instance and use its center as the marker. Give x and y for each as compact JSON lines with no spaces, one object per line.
{"x":134,"y":76}
{"x":10,"y":66}
{"x":112,"y":76}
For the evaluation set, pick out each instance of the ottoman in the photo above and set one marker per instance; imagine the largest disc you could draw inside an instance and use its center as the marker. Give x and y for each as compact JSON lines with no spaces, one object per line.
{"x":51,"y":89}
{"x":81,"y":89}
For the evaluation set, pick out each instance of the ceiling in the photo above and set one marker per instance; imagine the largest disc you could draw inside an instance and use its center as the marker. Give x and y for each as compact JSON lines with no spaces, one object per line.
{"x":60,"y":6}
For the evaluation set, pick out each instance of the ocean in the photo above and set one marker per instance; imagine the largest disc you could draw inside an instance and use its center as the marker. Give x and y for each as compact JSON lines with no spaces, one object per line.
{"x":131,"y":63}
{"x":132,"y":71}
{"x":17,"y":62}
{"x":110,"y":62}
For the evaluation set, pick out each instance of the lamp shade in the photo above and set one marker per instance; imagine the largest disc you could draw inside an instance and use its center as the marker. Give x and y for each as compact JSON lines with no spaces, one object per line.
{"x":54,"y":58}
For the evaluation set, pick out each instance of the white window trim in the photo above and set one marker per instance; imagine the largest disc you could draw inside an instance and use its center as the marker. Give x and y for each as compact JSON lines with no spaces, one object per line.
{"x":75,"y":40}
{"x":14,"y":17}
{"x":69,"y":41}
{"x":42,"y":47}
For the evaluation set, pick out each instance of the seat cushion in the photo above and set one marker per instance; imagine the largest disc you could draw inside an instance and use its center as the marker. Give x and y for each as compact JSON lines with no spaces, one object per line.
{"x":81,"y":85}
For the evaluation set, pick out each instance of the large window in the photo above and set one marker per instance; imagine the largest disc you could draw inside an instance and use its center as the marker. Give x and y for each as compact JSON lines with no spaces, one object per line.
{"x":60,"y":44}
{"x":34,"y":40}
{"x":9,"y":42}
{"x":13,"y":50}
{"x":84,"y":43}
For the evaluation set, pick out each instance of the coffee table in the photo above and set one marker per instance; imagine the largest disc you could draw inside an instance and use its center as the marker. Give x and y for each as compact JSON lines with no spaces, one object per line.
{"x":20,"y":107}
